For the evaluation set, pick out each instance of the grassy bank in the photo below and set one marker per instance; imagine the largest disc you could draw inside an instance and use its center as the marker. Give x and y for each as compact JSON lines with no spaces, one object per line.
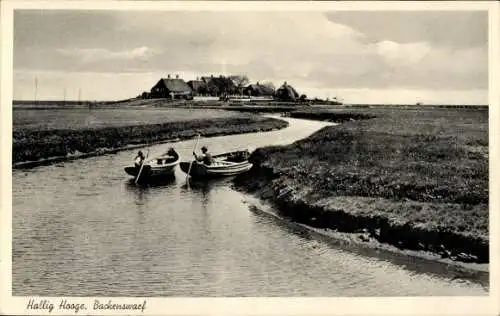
{"x":337,"y":116}
{"x":71,"y":118}
{"x":415,"y":179}
{"x":31,"y":144}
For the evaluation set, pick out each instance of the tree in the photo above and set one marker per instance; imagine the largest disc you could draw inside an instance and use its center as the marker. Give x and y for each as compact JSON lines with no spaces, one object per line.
{"x":240,"y":82}
{"x":202,"y":90}
{"x":212,"y":88}
{"x":226,"y":85}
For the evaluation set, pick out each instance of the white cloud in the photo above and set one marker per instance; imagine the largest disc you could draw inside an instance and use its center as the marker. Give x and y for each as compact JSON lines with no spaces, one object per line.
{"x":458,"y":62}
{"x":300,"y":46}
{"x":90,"y":55}
{"x":283,"y":39}
{"x":402,"y":54}
{"x":304,"y":48}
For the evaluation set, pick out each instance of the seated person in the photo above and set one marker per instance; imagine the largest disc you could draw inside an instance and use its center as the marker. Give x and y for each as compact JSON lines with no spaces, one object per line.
{"x":139,"y":159}
{"x":170,"y":156}
{"x":173,"y":155}
{"x":205,"y":157}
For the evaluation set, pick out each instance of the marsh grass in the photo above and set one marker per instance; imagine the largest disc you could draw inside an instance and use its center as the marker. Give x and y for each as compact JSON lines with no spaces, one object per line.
{"x":423,"y":171}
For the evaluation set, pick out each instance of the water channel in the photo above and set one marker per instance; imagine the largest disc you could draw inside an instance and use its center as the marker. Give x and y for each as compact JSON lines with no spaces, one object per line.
{"x":81,"y":228}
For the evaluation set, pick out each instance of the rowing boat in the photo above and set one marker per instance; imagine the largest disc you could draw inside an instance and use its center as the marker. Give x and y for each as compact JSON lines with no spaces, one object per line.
{"x":158,"y":167}
{"x":226,"y":164}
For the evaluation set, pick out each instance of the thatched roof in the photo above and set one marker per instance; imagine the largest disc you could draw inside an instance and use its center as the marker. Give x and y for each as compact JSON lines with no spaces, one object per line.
{"x":173,"y":85}
{"x":258,"y":90}
{"x":287,"y":92}
{"x":196,"y":84}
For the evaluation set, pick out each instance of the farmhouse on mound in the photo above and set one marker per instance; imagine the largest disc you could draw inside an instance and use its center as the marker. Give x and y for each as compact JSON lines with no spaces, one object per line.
{"x":287,"y":93}
{"x":258,"y":90}
{"x":171,"y":88}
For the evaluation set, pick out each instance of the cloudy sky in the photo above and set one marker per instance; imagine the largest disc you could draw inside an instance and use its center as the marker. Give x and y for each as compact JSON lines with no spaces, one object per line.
{"x":361,"y":57}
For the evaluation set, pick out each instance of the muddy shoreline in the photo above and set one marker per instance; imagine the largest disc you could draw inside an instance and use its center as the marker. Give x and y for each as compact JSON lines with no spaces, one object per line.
{"x":455,"y":255}
{"x":418,"y":261}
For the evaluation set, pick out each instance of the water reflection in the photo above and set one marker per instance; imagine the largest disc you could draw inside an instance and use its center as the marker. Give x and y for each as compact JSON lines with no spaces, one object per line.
{"x":159,"y":182}
{"x":204,"y":186}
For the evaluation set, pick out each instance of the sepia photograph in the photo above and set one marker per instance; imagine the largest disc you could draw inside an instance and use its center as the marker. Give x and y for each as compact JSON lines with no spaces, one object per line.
{"x":239,"y":150}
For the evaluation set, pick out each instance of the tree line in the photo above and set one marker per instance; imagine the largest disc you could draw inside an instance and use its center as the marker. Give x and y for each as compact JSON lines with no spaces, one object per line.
{"x":231,"y":85}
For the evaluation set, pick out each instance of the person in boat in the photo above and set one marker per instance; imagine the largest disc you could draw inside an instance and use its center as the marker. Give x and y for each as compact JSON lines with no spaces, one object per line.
{"x":172,"y":154}
{"x":139,"y":159}
{"x":205,"y":157}
{"x":168,"y":157}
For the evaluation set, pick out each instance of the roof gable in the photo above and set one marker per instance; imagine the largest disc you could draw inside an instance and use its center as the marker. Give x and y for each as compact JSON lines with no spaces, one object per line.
{"x":175,"y":85}
{"x":196,"y":84}
{"x":262,"y":89}
{"x":287,"y":91}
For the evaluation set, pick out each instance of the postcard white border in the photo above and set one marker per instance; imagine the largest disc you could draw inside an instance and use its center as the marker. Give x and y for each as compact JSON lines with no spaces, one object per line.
{"x":487,"y":305}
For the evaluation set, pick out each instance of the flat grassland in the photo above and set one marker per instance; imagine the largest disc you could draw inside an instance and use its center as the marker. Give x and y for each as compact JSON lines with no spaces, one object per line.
{"x":413,"y":178}
{"x":81,"y":118}
{"x":45,"y":134}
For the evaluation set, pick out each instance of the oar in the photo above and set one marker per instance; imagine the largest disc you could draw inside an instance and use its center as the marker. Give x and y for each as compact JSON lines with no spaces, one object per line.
{"x":191,"y":164}
{"x":142,"y":165}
